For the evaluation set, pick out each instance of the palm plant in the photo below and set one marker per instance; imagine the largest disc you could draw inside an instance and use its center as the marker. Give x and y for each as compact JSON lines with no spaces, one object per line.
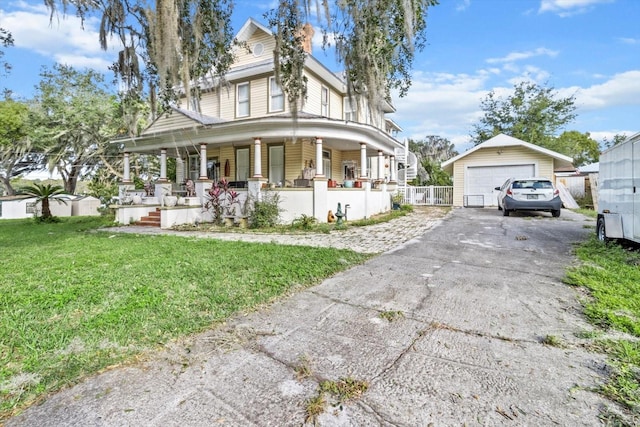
{"x":42,"y":193}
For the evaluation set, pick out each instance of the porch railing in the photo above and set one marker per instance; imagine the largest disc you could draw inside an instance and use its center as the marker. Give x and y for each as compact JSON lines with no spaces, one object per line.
{"x":428,"y":196}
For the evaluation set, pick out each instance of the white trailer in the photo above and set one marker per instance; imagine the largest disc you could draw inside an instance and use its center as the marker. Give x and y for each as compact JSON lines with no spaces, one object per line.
{"x":619,"y":191}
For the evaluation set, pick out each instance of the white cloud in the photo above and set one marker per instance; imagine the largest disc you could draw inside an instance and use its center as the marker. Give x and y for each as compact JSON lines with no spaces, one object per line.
{"x":463,"y":5}
{"x":629,"y":40}
{"x":519,"y":56}
{"x":621,"y":89}
{"x":442,"y":104}
{"x":61,"y":39}
{"x":448,"y":105}
{"x":601,"y":135}
{"x":565,"y":8}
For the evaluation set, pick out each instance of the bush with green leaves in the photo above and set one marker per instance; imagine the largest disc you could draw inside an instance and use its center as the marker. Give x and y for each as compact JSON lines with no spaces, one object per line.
{"x":265,"y":213}
{"x":304,"y":222}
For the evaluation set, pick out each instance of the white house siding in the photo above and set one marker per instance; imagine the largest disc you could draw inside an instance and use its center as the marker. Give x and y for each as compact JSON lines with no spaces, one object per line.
{"x":511,"y":156}
{"x":260,"y":98}
{"x":335,"y":105}
{"x":227,"y":99}
{"x":293,"y":163}
{"x":244,"y":57}
{"x":210,"y":102}
{"x":314,"y":88}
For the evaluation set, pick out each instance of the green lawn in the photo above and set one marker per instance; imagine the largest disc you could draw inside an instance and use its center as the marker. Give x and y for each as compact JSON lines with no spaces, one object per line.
{"x":74,"y":301}
{"x":611,"y":274}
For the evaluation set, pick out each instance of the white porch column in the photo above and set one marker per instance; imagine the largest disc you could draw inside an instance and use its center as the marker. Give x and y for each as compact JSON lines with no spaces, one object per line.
{"x":203,"y":161}
{"x":363,"y":160}
{"x":319,"y":163}
{"x":163,"y":164}
{"x":380,"y":165}
{"x":257,"y":158}
{"x":180,"y":170}
{"x":392,"y":168}
{"x":127,"y":171}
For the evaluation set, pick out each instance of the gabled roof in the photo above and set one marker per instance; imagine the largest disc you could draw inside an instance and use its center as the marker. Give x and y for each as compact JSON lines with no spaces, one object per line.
{"x":249,"y":28}
{"x":503,"y":140}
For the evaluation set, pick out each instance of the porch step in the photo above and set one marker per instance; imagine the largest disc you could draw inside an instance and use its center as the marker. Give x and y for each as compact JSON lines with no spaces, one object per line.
{"x":151,"y":220}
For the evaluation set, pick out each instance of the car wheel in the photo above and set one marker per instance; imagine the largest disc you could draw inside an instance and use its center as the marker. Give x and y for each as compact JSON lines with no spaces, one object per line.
{"x":601,"y":231}
{"x":505,"y":212}
{"x":555,"y":214}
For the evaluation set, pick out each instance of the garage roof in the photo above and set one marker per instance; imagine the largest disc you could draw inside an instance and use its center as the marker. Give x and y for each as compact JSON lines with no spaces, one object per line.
{"x":503,"y":140}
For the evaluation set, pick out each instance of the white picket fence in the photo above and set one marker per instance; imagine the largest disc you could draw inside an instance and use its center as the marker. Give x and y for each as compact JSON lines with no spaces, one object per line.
{"x":428,"y":196}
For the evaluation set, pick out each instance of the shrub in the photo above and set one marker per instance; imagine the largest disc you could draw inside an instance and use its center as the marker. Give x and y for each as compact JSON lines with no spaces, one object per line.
{"x":221,"y":200}
{"x":304,"y":222}
{"x":265,"y":213}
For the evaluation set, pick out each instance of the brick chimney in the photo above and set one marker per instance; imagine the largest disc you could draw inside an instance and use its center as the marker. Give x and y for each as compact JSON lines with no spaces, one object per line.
{"x":306,"y":33}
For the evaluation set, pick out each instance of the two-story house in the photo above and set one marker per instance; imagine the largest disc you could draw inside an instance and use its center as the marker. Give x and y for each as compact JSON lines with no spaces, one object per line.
{"x":334,"y":151}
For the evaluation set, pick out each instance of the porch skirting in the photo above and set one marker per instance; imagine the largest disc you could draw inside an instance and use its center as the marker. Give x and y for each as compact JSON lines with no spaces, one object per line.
{"x":358,"y":203}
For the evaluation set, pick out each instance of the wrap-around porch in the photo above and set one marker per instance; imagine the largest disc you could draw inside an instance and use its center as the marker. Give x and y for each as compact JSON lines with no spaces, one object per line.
{"x":354,"y":165}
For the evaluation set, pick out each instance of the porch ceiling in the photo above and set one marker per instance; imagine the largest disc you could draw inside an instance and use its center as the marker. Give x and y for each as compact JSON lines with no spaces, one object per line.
{"x":336,"y":134}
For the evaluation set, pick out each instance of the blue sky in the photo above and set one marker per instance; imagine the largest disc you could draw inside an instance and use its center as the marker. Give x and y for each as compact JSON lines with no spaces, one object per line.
{"x":586,"y":48}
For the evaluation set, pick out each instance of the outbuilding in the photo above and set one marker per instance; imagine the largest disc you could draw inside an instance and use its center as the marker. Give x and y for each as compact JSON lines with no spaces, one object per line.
{"x":477,"y":171}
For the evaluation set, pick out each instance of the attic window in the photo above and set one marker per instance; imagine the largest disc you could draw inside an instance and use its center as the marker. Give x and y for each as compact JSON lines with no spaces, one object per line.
{"x":258,"y":49}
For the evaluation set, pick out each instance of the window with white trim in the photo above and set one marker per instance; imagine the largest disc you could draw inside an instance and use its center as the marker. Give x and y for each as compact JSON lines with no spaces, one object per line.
{"x":276,"y":164}
{"x":349,"y":110}
{"x":242,"y":95}
{"x":324,"y":102}
{"x":326,"y":163}
{"x":276,"y":96}
{"x":243,"y":164}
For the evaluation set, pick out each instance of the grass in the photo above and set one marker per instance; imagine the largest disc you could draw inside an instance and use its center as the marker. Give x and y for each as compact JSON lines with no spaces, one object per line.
{"x":74,"y":301}
{"x":337,"y":393}
{"x":612,"y":276}
{"x":391,"y":315}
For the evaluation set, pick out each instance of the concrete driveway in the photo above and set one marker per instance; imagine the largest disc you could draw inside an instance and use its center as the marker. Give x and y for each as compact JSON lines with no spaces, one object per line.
{"x":445,"y":330}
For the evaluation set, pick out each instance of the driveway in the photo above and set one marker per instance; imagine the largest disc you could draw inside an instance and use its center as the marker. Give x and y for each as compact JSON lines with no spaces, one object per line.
{"x":447,"y":329}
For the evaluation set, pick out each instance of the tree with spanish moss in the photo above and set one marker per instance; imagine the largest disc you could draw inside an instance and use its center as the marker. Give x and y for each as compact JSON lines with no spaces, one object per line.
{"x":182,"y":42}
{"x":6,"y":40}
{"x":74,"y":117}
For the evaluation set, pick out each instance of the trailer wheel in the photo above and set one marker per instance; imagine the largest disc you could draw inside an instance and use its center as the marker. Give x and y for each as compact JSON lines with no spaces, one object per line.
{"x":601,"y":230}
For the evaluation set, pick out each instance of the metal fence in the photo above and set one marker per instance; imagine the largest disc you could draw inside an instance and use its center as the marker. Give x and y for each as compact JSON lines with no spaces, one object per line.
{"x":428,"y":196}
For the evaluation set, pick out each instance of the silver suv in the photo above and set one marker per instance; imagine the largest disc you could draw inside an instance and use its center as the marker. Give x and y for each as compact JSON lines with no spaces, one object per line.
{"x":529,"y":194}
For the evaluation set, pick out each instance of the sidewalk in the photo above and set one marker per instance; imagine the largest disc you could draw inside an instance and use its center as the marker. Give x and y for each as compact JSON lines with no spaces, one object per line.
{"x":374,"y":239}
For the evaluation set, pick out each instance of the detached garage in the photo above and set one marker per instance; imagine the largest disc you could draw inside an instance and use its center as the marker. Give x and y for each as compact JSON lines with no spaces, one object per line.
{"x":479,"y":170}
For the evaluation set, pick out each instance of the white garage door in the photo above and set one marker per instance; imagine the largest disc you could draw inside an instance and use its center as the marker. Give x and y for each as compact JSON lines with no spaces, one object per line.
{"x":480,"y":182}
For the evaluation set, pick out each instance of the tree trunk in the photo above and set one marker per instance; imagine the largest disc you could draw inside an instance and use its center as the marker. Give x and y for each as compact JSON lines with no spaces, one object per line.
{"x":46,"y":211}
{"x":6,"y":182}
